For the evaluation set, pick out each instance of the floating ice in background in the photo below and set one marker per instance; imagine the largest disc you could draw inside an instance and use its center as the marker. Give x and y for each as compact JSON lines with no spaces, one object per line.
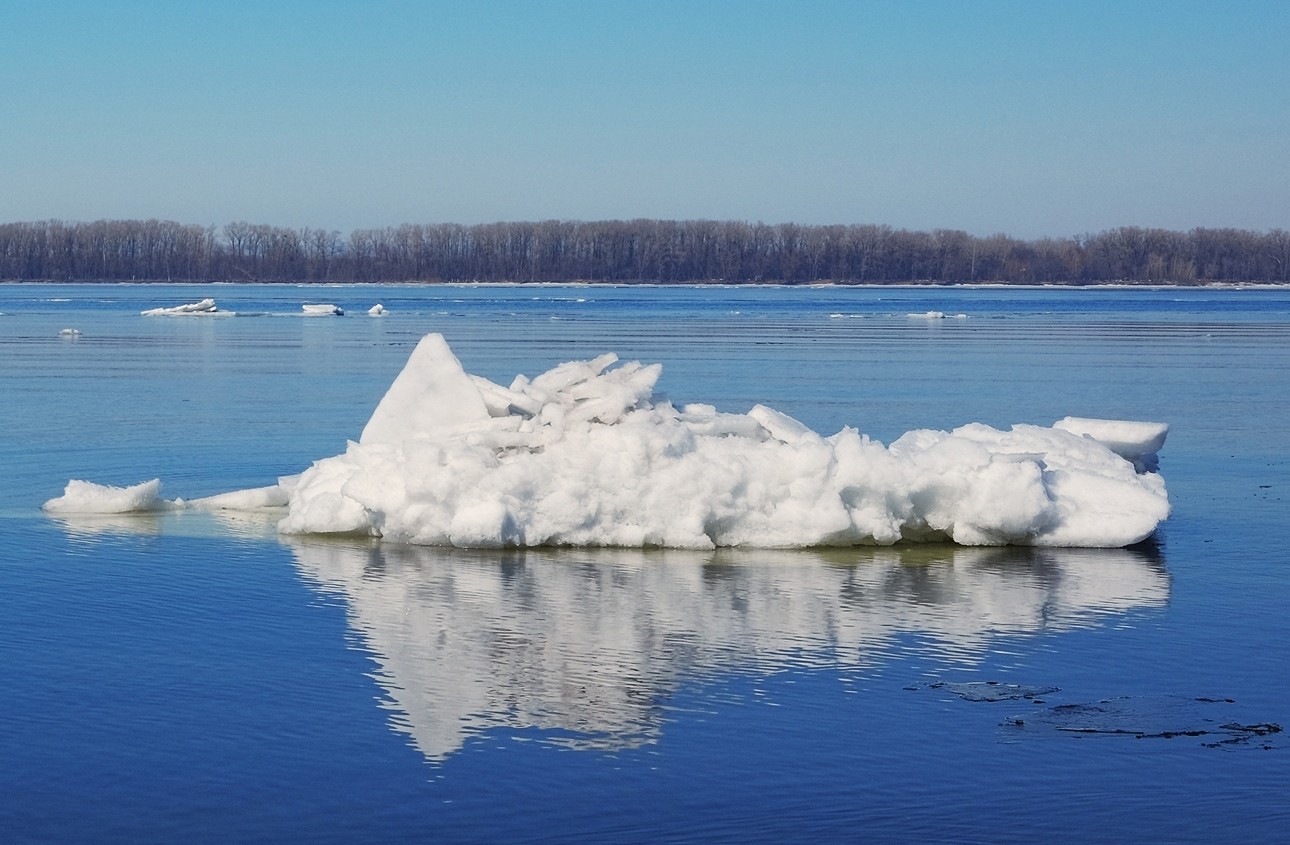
{"x":937,"y":315}
{"x":72,"y":333}
{"x":322,"y":309}
{"x":377,"y":310}
{"x":201,"y":308}
{"x":587,"y":455}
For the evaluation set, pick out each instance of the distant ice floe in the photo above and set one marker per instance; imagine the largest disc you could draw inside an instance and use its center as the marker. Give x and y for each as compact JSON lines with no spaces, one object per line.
{"x":587,"y":454}
{"x":322,"y":309}
{"x":937,"y":315}
{"x":201,"y":308}
{"x":66,"y":333}
{"x":377,"y":310}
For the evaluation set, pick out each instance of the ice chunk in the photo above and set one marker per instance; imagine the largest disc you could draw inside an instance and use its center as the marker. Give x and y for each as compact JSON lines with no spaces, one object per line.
{"x":1126,"y":438}
{"x":322,"y":309}
{"x":86,"y":497}
{"x":431,"y":394}
{"x":502,"y":402}
{"x":203,"y":308}
{"x":782,"y":427}
{"x":937,"y":315}
{"x":377,"y":310}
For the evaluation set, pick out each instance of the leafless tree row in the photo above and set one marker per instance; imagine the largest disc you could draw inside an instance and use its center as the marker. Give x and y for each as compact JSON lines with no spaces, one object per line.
{"x":628,"y":251}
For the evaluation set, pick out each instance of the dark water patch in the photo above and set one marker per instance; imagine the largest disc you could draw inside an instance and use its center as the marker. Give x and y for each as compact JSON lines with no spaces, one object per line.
{"x":1219,"y":721}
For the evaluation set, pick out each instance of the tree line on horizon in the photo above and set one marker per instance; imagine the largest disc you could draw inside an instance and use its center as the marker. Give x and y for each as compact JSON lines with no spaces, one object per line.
{"x":625,"y":251}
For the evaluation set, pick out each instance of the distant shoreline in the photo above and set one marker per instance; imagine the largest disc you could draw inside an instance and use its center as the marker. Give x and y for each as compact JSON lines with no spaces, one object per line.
{"x":643,"y":251}
{"x":1115,"y":285}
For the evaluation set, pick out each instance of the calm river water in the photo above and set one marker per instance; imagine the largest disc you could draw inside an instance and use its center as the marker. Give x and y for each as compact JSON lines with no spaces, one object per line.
{"x":196,"y":678}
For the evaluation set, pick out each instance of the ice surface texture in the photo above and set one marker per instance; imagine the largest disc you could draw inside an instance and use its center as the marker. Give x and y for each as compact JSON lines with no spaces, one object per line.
{"x":587,"y":455}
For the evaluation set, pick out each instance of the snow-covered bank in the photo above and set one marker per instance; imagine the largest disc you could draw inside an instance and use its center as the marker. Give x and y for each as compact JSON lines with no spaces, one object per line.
{"x":588,"y":454}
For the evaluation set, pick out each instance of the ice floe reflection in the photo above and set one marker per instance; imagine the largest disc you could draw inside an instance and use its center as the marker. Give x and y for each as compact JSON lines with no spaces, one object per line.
{"x":585,"y":645}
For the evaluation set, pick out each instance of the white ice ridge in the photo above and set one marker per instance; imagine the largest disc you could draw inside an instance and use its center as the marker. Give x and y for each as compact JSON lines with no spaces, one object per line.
{"x":587,"y":454}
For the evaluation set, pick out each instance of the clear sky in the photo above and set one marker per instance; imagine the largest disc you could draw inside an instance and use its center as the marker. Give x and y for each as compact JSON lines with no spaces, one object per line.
{"x":1032,"y":118}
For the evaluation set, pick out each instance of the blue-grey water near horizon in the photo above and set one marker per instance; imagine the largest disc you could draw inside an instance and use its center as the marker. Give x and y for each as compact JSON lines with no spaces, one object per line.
{"x":196,"y":677}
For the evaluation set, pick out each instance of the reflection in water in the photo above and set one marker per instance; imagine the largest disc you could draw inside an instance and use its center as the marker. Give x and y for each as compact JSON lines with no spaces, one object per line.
{"x":89,"y":526}
{"x":585,"y":644}
{"x":250,"y":525}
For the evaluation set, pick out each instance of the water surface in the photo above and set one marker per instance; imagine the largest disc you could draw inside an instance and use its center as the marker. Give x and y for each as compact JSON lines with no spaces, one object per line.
{"x":195,"y":677}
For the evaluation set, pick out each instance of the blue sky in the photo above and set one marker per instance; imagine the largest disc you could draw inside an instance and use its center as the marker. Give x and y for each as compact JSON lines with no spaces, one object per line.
{"x":1031,"y":118}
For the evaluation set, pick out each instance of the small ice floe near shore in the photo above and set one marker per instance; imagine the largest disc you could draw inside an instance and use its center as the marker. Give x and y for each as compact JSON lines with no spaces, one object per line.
{"x":936,"y":315}
{"x":86,"y":497}
{"x":377,"y":310}
{"x":587,"y":454}
{"x":322,"y":309}
{"x":201,"y":308}
{"x":68,"y":333}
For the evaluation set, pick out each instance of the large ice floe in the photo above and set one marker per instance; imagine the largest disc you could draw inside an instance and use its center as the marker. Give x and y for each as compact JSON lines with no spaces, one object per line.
{"x":587,"y":454}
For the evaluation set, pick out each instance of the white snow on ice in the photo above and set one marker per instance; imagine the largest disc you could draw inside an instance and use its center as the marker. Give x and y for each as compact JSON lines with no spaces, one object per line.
{"x":587,"y":454}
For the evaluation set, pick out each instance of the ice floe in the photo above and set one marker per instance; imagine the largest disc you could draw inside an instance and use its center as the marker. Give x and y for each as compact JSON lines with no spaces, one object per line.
{"x":587,"y":454}
{"x":201,"y":308}
{"x":322,"y":309}
{"x":86,"y":497}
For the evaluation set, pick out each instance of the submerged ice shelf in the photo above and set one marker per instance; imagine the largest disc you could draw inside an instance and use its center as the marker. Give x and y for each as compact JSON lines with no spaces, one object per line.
{"x":587,"y":454}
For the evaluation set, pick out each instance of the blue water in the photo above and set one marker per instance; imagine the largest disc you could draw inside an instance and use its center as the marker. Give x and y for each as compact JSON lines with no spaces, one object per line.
{"x":191,"y":678}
